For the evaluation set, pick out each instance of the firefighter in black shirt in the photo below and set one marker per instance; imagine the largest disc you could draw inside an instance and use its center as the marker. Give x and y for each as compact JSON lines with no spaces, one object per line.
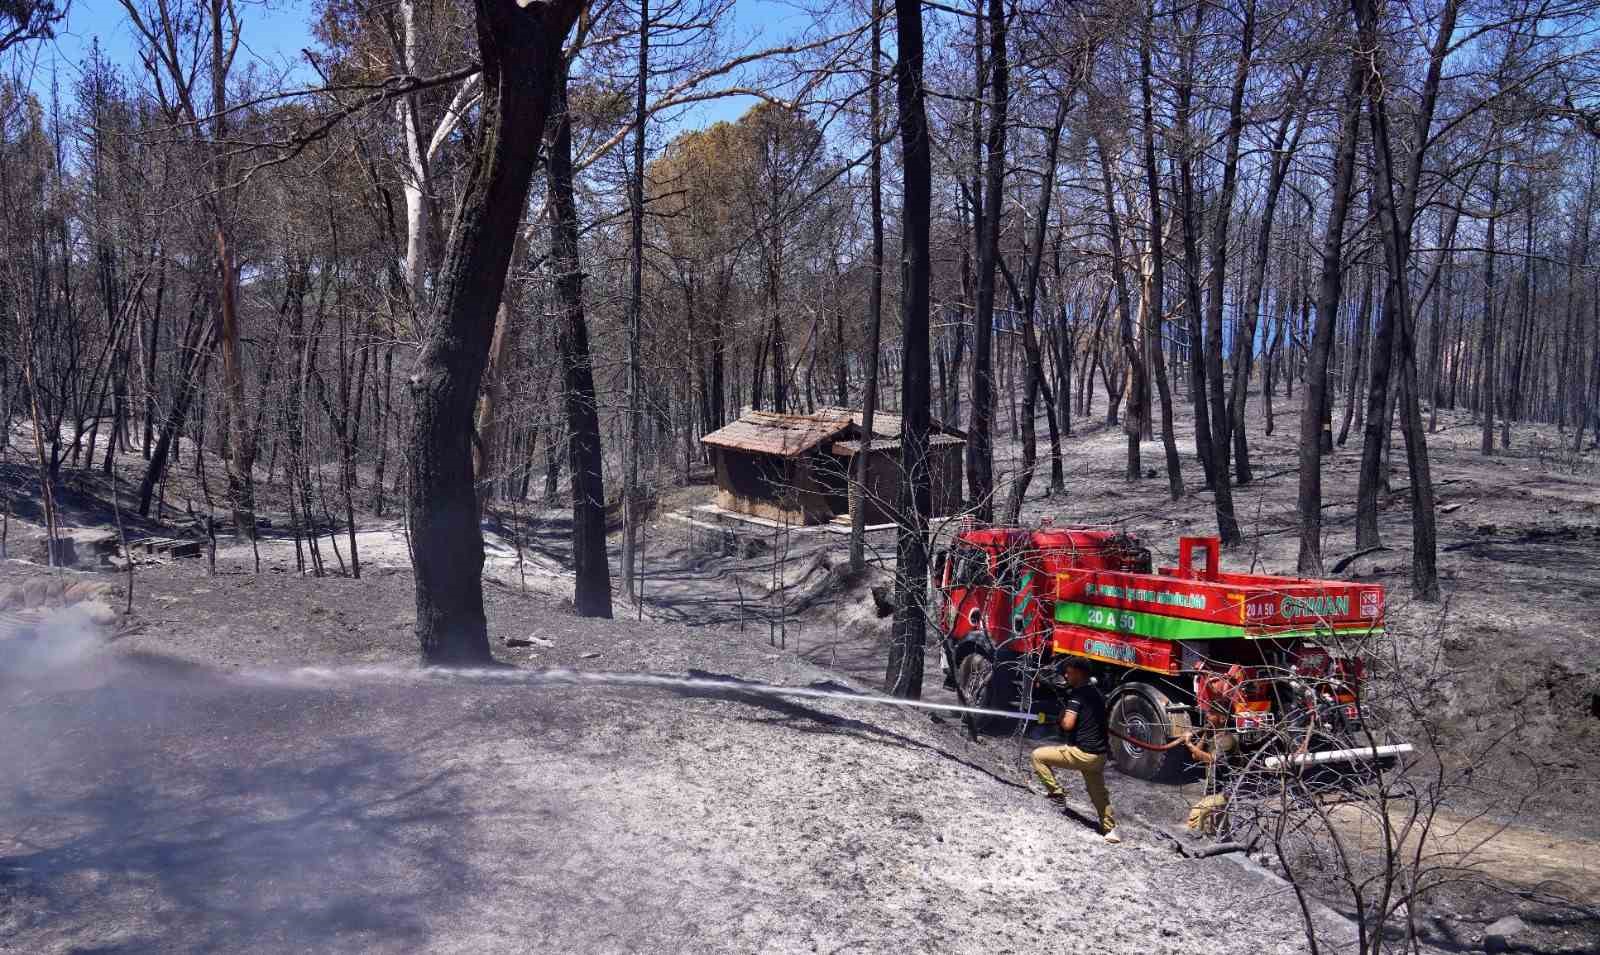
{"x":1083,"y":723}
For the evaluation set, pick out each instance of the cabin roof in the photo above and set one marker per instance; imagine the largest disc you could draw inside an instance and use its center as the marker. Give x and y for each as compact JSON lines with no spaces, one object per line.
{"x":887,"y":425}
{"x":783,"y":435}
{"x":851,"y":448}
{"x":791,"y":435}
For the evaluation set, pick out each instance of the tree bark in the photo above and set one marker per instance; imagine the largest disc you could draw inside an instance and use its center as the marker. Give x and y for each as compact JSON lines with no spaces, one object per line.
{"x":1190,"y":221}
{"x":1130,"y":347}
{"x":1030,"y":339}
{"x":980,"y":443}
{"x":1155,"y":317}
{"x":1486,"y":349}
{"x":869,"y":399}
{"x":591,"y":595}
{"x":1329,"y":289}
{"x":1227,"y":522}
{"x":630,"y":469}
{"x":520,"y":50}
{"x":903,"y":675}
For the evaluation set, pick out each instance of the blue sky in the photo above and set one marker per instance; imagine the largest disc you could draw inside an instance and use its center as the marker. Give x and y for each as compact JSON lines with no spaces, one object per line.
{"x":763,"y":23}
{"x":276,"y":31}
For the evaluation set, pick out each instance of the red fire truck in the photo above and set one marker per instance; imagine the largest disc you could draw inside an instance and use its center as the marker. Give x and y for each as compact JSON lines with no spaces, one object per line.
{"x":1165,"y":642}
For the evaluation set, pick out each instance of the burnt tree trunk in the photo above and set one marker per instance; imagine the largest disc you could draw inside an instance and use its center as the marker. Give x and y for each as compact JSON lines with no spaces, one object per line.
{"x":980,"y":442}
{"x":1397,"y":216}
{"x":1486,"y":348}
{"x":521,"y":54}
{"x":1329,"y":289}
{"x":869,"y":399}
{"x":631,"y":448}
{"x":1190,"y":221}
{"x":1227,"y":522}
{"x":591,"y":595}
{"x":1359,"y":327}
{"x":1155,"y":317}
{"x":1130,"y":347}
{"x":1030,"y":339}
{"x":903,"y":675}
{"x":1379,"y":422}
{"x":197,"y":348}
{"x":1283,"y":149}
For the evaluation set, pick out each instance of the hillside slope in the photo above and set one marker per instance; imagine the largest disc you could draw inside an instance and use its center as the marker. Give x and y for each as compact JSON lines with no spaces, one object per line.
{"x":252,"y":804}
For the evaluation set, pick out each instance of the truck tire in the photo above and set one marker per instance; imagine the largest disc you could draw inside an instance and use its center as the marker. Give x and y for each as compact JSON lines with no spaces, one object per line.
{"x":1139,"y":711}
{"x":990,"y":684}
{"x":974,"y":674}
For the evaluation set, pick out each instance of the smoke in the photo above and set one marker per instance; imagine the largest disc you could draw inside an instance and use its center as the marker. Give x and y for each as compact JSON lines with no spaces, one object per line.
{"x":152,"y":803}
{"x":60,"y":641}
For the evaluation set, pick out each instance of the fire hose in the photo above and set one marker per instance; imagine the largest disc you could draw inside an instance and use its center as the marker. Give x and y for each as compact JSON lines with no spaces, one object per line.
{"x":1152,"y":747}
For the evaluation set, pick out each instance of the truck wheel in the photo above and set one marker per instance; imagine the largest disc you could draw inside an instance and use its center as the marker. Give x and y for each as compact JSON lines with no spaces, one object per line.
{"x":990,"y":684}
{"x":975,"y":673}
{"x":1140,"y":712}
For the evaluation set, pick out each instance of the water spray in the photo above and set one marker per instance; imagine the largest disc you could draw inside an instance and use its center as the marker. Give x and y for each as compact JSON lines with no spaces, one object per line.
{"x":563,"y":677}
{"x":808,"y":692}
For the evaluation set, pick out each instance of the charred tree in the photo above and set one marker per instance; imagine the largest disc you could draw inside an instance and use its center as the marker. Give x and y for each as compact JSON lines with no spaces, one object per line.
{"x":1329,"y":289}
{"x":520,"y":51}
{"x":630,"y":467}
{"x":1284,"y":144}
{"x":869,"y":400}
{"x":903,"y":675}
{"x":1189,"y":220}
{"x":1156,"y":304}
{"x":1227,"y":522}
{"x":592,"y":589}
{"x":1397,"y":204}
{"x":1035,"y":382}
{"x":1130,"y":345}
{"x":980,"y":443}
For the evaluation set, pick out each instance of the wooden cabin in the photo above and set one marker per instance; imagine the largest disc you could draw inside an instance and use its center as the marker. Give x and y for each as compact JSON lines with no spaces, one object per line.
{"x":795,"y":468}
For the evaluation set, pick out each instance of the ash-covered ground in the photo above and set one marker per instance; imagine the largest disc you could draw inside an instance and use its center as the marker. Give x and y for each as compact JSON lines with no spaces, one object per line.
{"x":176,"y":791}
{"x":1512,"y":652}
{"x":193,"y":786}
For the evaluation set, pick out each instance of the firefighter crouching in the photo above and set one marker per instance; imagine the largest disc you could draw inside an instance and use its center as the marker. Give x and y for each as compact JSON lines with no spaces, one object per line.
{"x":1083,"y":723}
{"x":1218,"y":751}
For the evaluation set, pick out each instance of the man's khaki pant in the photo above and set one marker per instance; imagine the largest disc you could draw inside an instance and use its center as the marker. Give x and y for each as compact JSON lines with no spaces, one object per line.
{"x":1203,"y":817}
{"x":1091,"y":765}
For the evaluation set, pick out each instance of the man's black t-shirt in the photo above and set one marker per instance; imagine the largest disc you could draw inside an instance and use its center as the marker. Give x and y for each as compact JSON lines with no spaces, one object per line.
{"x":1089,"y":734}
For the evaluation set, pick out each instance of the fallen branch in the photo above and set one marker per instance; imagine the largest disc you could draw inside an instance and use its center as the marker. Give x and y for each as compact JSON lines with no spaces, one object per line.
{"x":1188,"y":851}
{"x":1343,"y":562}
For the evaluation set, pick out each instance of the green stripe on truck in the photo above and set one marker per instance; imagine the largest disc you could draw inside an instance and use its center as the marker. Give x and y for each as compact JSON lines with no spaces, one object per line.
{"x":1142,"y":624}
